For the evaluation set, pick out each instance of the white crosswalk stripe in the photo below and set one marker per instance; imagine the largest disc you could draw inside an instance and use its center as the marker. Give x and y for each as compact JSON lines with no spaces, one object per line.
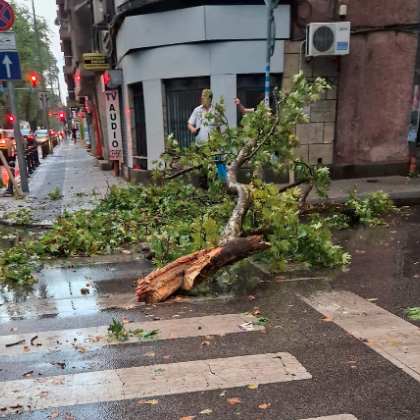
{"x":98,"y":336}
{"x":151,"y":381}
{"x":390,"y":336}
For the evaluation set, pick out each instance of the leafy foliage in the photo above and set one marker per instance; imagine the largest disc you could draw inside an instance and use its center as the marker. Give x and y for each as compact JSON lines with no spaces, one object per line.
{"x":365,"y":211}
{"x":413,"y":313}
{"x":20,"y":217}
{"x":55,"y":195}
{"x":178,"y":218}
{"x":117,"y":332}
{"x":27,"y":103}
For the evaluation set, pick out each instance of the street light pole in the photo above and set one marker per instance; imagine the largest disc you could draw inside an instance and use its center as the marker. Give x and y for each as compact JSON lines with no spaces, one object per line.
{"x":41,"y":75}
{"x":271,"y":41}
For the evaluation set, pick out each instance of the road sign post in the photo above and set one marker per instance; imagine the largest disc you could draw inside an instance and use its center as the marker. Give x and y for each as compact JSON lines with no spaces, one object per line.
{"x":18,"y":138}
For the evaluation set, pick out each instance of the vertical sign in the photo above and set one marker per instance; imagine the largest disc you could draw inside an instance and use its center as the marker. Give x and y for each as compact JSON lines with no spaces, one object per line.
{"x":113,"y":117}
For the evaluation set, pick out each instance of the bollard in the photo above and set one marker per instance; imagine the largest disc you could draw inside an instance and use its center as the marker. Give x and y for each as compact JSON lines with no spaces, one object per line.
{"x":12,"y":169}
{"x":36,"y":155}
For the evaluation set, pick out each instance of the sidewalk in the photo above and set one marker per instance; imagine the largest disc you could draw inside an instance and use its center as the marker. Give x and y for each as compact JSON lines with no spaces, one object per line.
{"x":402,"y":190}
{"x":73,"y":171}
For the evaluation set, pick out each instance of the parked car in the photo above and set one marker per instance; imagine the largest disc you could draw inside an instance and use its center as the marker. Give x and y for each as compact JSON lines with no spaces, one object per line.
{"x":7,"y":143}
{"x":28,"y":137}
{"x":41,"y":136}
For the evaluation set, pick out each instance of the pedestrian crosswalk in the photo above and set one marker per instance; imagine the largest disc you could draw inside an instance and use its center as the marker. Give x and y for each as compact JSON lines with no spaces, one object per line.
{"x":147,"y":381}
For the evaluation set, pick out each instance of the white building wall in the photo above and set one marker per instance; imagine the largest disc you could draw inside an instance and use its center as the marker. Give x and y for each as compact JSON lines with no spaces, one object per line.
{"x":215,"y":41}
{"x":152,"y":91}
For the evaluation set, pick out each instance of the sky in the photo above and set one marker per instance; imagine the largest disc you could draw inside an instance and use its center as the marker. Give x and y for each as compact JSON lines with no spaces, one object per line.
{"x":48,"y":10}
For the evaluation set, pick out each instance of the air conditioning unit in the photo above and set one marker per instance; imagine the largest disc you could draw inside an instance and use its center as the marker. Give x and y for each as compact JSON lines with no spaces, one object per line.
{"x":328,"y":39}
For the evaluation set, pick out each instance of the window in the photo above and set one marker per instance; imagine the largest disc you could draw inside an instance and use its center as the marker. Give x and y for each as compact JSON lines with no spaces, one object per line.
{"x":140,"y":124}
{"x":250,"y":88}
{"x":182,"y":96}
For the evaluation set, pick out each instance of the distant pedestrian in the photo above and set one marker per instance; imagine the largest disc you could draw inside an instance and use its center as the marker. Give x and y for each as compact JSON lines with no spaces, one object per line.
{"x":201,"y":126}
{"x":74,"y":133}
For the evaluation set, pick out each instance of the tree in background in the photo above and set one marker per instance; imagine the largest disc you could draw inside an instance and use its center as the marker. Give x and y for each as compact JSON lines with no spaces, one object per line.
{"x":27,"y":101}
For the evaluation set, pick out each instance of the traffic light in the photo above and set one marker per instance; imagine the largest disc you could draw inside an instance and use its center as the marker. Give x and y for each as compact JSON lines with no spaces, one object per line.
{"x":34,"y":80}
{"x":62,"y":116}
{"x":11,"y":118}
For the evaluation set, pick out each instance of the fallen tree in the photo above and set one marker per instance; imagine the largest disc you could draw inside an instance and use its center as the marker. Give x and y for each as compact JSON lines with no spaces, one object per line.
{"x":194,"y":233}
{"x":264,"y":216}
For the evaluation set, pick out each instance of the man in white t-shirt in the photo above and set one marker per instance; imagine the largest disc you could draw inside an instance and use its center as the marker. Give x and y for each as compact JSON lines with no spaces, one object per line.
{"x":198,"y":124}
{"x":201,"y":127}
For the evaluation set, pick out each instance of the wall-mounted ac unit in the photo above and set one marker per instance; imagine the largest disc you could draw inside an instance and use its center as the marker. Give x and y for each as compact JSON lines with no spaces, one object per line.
{"x":328,"y":38}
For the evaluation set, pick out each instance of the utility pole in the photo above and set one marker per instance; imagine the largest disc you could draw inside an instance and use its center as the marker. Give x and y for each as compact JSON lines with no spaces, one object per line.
{"x":18,"y":138}
{"x":271,"y":43}
{"x":46,"y":120}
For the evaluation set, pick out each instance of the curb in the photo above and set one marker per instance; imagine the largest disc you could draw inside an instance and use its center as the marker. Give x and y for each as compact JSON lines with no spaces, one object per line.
{"x":28,"y":226}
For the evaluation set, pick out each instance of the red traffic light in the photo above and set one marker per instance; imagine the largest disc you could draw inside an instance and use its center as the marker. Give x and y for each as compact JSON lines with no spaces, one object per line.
{"x":62,"y":115}
{"x":34,"y":79}
{"x":11,"y":118}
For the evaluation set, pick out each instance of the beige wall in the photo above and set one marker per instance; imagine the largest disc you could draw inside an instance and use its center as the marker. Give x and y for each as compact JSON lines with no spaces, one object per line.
{"x":317,"y":137}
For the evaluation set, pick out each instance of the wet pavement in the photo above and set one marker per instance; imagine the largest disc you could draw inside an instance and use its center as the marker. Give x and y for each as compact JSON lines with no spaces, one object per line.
{"x":373,"y":374}
{"x":71,"y":171}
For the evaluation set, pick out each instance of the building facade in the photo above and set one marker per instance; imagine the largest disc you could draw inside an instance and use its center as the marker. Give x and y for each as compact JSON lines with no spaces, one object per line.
{"x":167,"y":52}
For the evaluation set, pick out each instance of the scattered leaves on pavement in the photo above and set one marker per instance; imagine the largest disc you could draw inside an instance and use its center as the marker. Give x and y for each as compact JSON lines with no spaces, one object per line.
{"x":58,"y":381}
{"x":172,"y":336}
{"x":222,"y":394}
{"x":60,"y":364}
{"x":148,"y":402}
{"x":28,"y":373}
{"x":233,"y":401}
{"x":84,"y":291}
{"x":264,"y":406}
{"x":252,"y":386}
{"x":81,"y":349}
{"x":15,"y":391}
{"x":187,"y":418}
{"x":250,"y":297}
{"x":53,"y":415}
{"x":372,"y":299}
{"x":26,"y":349}
{"x":372,"y":341}
{"x":87,"y":284}
{"x":352,"y":361}
{"x":43,"y":394}
{"x":328,"y":319}
{"x":208,"y":411}
{"x":166,"y":357}
{"x":125,"y":320}
{"x":205,"y":343}
{"x":150,"y":354}
{"x":13,"y":329}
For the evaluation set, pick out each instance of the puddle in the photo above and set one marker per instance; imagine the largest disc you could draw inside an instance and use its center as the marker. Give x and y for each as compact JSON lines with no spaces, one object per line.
{"x":67,"y":292}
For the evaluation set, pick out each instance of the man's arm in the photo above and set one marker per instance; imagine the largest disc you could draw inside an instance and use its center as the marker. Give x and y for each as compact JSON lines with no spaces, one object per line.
{"x":241,"y":108}
{"x":192,"y":122}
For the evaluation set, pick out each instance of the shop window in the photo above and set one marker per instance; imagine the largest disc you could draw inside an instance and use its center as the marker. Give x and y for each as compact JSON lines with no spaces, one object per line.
{"x":182,"y":96}
{"x":250,"y":88}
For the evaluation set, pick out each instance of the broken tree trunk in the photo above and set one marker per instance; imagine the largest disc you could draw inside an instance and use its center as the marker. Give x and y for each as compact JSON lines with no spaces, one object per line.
{"x":188,"y":271}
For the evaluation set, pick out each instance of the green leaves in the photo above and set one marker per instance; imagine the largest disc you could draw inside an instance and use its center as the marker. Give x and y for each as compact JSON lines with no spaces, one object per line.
{"x":117,"y":332}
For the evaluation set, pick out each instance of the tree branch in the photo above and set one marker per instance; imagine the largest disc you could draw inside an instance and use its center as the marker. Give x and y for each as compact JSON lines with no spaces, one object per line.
{"x":264,"y":140}
{"x":181,"y":172}
{"x":294,"y":184}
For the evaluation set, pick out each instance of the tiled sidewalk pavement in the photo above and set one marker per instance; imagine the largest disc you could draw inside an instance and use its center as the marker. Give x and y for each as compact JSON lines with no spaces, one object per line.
{"x":73,"y":171}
